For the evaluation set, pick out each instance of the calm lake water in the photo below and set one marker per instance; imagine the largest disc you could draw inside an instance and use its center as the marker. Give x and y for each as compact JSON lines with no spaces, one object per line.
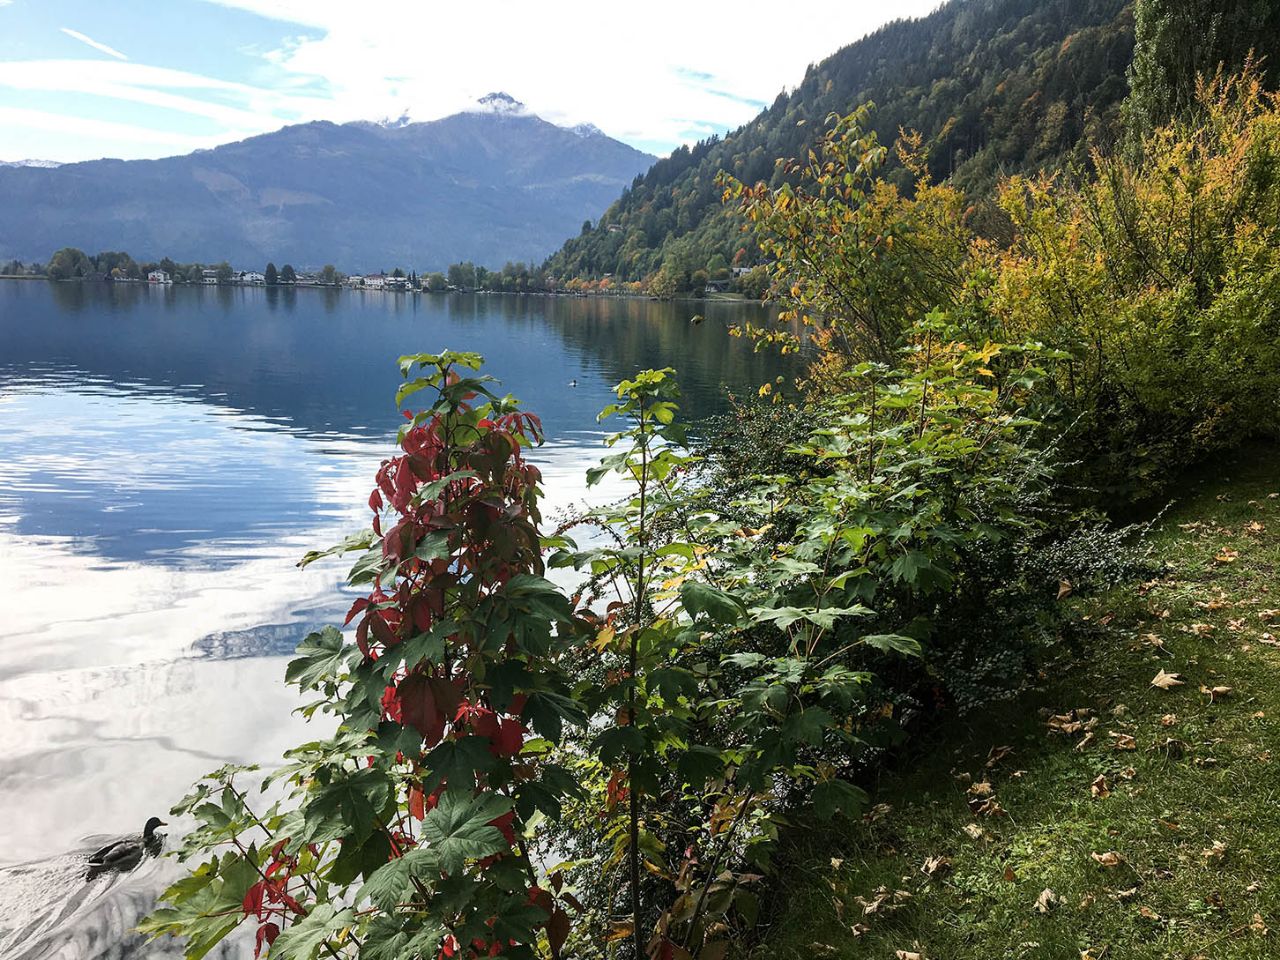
{"x":166,"y":456}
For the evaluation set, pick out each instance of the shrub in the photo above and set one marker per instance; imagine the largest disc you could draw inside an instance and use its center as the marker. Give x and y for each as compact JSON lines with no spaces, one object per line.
{"x":1161,"y":275}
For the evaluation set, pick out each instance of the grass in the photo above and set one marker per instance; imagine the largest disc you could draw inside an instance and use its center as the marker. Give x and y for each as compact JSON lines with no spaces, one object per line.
{"x":1176,"y":851}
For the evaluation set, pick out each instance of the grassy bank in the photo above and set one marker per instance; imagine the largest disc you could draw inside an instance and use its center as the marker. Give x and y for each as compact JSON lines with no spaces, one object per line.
{"x":1102,"y":816}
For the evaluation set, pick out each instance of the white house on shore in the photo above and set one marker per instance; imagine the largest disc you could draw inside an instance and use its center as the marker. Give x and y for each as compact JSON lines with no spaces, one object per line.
{"x":378,"y":282}
{"x":209,"y":276}
{"x":158,"y":276}
{"x":251,"y":276}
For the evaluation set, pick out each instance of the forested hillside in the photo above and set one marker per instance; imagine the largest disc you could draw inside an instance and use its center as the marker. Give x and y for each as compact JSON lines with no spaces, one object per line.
{"x":993,"y":86}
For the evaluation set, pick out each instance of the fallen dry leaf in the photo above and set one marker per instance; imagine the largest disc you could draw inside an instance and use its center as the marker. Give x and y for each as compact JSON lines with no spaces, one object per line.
{"x":1009,"y":875}
{"x":1146,"y":913}
{"x":1257,"y":925}
{"x":936,"y":867}
{"x":1215,"y":692}
{"x":1048,"y":900}
{"x":1128,"y":773}
{"x":974,"y":832}
{"x":987,"y":808}
{"x":1168,"y":720}
{"x":858,"y":929}
{"x":1202,"y":629}
{"x":983,"y":789}
{"x":1064,"y":589}
{"x":996,"y":754}
{"x":1110,"y":859}
{"x":1099,"y":787}
{"x":1167,"y":681}
{"x":1085,"y":741}
{"x":1227,"y":555}
{"x":1215,"y":855}
{"x":908,"y":955}
{"x":1122,"y":741}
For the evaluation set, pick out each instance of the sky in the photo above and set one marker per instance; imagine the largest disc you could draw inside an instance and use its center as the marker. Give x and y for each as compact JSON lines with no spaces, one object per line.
{"x":82,"y":79}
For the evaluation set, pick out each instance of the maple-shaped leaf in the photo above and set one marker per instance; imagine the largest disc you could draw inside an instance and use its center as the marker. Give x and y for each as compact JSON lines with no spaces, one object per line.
{"x":393,"y":882}
{"x":1167,"y":681}
{"x":321,"y":656}
{"x":301,"y":940}
{"x":347,"y":807}
{"x":460,"y":828}
{"x":1110,"y":859}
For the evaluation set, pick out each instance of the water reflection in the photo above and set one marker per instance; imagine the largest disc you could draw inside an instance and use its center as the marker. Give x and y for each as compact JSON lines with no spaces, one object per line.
{"x":166,"y":454}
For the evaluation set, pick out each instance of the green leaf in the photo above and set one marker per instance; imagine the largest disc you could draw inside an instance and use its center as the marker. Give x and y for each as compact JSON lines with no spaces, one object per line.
{"x":321,"y":656}
{"x":434,"y":546}
{"x":357,"y":541}
{"x":836,"y":796}
{"x":908,"y":565}
{"x":893,"y":643}
{"x":546,"y":711}
{"x":366,"y":568}
{"x":457,"y":761}
{"x":302,"y":940}
{"x":699,"y":597}
{"x":699,"y":764}
{"x":347,"y":807}
{"x":459,"y":828}
{"x":807,"y":726}
{"x":825,"y":617}
{"x":392,"y":882}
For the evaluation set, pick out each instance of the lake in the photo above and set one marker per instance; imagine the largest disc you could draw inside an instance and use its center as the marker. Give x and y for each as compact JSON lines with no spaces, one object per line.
{"x":166,"y":456}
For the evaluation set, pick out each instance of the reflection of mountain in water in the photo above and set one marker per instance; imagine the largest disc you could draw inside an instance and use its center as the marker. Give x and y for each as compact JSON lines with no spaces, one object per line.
{"x":268,"y":640}
{"x":322,"y":361}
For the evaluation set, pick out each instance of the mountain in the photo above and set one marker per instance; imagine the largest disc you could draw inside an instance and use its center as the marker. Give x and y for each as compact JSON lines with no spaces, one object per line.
{"x":993,"y":86}
{"x":490,"y":185}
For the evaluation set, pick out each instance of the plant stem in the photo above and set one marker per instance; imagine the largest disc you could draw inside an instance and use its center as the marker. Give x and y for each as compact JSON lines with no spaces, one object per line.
{"x":633,"y":797}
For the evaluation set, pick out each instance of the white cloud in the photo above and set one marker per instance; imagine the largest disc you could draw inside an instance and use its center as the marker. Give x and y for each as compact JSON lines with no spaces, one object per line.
{"x":14,"y":119}
{"x":671,"y":72}
{"x":666,"y":72}
{"x":102,"y":47}
{"x":249,"y":108}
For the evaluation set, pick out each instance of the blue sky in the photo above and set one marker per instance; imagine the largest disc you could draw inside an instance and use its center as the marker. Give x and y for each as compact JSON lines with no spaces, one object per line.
{"x":147,"y":78}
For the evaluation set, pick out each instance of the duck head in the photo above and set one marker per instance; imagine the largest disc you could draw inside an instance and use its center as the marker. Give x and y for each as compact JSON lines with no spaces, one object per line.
{"x":150,"y":829}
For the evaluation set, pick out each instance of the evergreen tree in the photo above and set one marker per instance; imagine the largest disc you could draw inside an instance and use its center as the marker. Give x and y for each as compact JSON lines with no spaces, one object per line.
{"x":287,"y":275}
{"x":1177,"y":41}
{"x":271,"y":276}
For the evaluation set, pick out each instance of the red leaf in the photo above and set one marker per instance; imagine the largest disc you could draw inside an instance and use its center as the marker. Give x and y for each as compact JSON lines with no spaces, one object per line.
{"x":558,"y":930}
{"x":268,"y":933}
{"x":252,"y":903}
{"x":355,"y":608}
{"x":418,"y":707}
{"x":417,"y":804}
{"x":510,"y":737}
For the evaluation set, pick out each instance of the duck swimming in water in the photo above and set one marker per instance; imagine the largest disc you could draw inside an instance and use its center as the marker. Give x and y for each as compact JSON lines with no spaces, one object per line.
{"x":126,"y":853}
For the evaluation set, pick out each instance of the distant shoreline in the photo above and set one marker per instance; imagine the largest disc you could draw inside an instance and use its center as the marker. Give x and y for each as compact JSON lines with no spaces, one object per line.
{"x":715,"y":298}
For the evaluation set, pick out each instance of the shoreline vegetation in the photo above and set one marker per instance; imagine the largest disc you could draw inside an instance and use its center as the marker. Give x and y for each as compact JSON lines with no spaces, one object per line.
{"x":71,"y":264}
{"x":783,"y":615}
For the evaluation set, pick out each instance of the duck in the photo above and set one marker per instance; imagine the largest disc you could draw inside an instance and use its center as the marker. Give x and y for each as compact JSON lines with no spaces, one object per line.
{"x":573,"y":382}
{"x":124,"y":854}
